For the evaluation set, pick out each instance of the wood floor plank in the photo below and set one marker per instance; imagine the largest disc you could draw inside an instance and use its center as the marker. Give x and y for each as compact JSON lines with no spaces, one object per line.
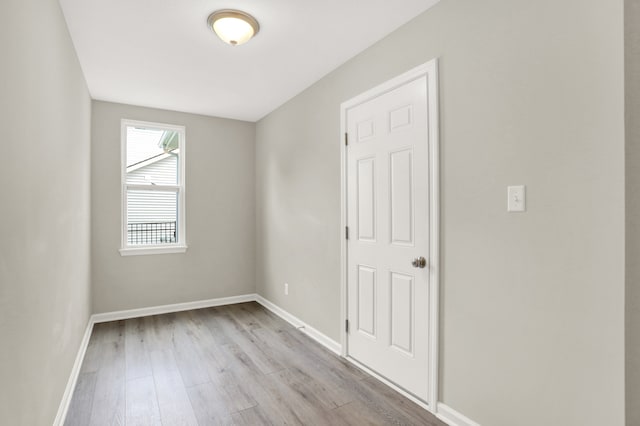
{"x":249,"y":345}
{"x":237,"y":364}
{"x":273,"y":405}
{"x":173,"y":401}
{"x":109,"y":397}
{"x":243,"y":316}
{"x":93,"y":355}
{"x":82,"y":401}
{"x":251,"y":417}
{"x":262,"y":317}
{"x":157,"y":332}
{"x":293,"y":400}
{"x":211,"y":318}
{"x":387,"y":405}
{"x":398,"y":403}
{"x":209,"y":349}
{"x":136,"y":356}
{"x":279,"y":400}
{"x":231,"y":387}
{"x":358,"y":414}
{"x":188,"y":358}
{"x":299,"y":342}
{"x":142,"y":403}
{"x":318,"y":354}
{"x":312,"y":374}
{"x":209,"y":405}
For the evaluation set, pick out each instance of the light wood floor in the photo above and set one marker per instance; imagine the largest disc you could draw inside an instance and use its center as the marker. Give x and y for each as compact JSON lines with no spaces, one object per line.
{"x":237,"y":364}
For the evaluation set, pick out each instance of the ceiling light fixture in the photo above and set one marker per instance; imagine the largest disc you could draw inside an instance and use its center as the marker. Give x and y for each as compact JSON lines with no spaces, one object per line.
{"x":233,"y":26}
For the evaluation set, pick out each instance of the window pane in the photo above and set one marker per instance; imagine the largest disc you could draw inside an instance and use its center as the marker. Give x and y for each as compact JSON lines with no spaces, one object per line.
{"x":152,"y":156}
{"x":152,"y":217}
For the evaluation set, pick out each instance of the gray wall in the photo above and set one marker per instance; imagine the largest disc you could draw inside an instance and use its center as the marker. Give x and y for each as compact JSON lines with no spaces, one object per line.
{"x":220,"y":221}
{"x":632,"y":97}
{"x":532,"y":304}
{"x":44,"y":249}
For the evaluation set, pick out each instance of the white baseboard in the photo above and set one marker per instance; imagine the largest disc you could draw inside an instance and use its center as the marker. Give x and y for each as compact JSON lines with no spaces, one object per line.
{"x":73,"y":377}
{"x":166,"y":309}
{"x":452,"y":417}
{"x":316,"y":335}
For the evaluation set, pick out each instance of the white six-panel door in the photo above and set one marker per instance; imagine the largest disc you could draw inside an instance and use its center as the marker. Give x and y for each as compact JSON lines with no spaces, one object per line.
{"x":388,"y":208}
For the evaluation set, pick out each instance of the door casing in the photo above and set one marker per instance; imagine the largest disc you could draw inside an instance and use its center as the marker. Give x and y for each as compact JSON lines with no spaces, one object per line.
{"x":430,"y":70}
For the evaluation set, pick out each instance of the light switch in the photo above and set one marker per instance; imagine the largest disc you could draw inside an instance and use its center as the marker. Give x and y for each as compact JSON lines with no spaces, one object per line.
{"x":516,"y":199}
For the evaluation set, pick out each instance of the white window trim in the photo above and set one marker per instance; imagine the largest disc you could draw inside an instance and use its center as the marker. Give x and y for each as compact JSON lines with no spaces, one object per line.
{"x":181,"y":245}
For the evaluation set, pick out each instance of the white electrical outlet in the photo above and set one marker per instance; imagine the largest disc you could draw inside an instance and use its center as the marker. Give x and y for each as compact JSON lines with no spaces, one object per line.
{"x":286,"y":289}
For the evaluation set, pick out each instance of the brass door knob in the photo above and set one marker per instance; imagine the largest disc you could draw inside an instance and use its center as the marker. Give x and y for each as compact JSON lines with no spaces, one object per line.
{"x":419,"y":262}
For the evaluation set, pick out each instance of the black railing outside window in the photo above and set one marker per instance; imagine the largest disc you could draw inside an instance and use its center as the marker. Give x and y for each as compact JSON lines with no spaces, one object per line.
{"x":151,"y":233}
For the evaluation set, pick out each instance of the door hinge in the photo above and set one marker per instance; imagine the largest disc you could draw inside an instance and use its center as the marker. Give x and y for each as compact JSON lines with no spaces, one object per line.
{"x":346,"y":232}
{"x":346,"y":325}
{"x":346,"y":139}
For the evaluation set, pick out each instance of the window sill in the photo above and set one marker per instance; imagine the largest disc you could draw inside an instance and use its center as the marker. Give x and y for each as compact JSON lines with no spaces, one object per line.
{"x":139,"y":251}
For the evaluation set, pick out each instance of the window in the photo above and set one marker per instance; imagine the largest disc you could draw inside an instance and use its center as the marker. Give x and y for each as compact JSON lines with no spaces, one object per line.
{"x":152,"y":188}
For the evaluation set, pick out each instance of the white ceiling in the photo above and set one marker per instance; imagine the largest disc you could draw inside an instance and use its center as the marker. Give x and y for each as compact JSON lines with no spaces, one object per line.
{"x":160,"y":53}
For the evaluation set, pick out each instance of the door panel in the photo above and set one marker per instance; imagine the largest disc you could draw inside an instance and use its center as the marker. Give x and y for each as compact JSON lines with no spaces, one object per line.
{"x":366,"y":200}
{"x":401,"y":194}
{"x":388,"y":208}
{"x":402,"y":312}
{"x":365,"y":130}
{"x":400,"y":118}
{"x":367,"y":301}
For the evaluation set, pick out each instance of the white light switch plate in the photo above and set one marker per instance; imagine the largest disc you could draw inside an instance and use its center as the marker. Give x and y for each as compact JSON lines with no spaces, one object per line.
{"x":516,"y":198}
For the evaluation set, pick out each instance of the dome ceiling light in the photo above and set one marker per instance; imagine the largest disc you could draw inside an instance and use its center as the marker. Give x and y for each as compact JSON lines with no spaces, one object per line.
{"x":233,"y":26}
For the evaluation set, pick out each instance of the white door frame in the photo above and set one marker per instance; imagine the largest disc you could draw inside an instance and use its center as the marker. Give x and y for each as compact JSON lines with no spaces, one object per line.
{"x":430,"y":70}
